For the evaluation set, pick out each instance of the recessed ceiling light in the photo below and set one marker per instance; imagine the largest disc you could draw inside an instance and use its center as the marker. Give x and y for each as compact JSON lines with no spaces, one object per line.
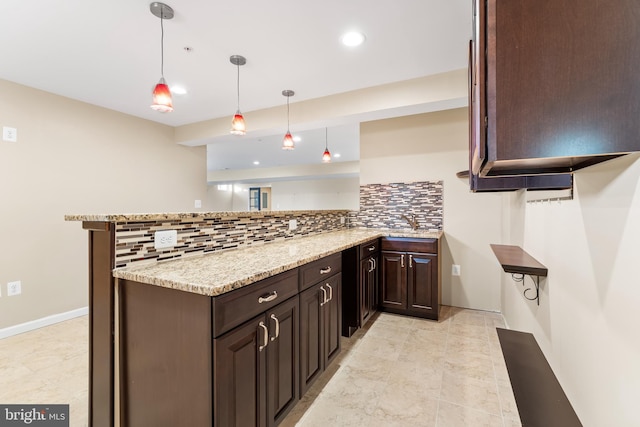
{"x":178,"y":90}
{"x":336,"y":155}
{"x":352,"y":38}
{"x":256,"y":163}
{"x":296,"y":138}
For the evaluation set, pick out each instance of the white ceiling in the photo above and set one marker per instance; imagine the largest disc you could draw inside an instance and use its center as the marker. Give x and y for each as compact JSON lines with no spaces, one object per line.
{"x":107,"y":53}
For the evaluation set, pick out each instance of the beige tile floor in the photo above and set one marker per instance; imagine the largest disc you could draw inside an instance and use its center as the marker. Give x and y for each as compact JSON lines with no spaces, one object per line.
{"x":397,"y":371}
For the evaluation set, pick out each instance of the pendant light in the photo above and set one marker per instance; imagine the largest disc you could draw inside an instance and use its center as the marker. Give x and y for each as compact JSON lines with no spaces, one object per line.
{"x":237,"y":124}
{"x":161,"y":94}
{"x":287,"y":142}
{"x":326,"y":156}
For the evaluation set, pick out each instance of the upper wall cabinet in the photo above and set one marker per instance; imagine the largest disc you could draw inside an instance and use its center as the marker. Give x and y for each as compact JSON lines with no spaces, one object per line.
{"x":554,"y":84}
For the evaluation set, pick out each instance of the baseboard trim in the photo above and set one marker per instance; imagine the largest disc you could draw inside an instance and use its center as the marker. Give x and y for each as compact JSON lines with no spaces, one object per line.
{"x":40,"y":323}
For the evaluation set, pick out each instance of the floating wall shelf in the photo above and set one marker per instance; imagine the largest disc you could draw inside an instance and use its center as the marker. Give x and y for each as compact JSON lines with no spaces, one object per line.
{"x":519,"y":263}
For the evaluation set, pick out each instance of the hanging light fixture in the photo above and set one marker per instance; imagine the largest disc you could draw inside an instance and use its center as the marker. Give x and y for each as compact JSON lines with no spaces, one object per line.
{"x":287,"y":142}
{"x":161,"y":93}
{"x":237,"y":124}
{"x":326,"y":156}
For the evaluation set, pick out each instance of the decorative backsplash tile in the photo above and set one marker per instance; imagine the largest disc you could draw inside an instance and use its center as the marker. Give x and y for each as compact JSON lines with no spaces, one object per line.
{"x":382,"y":205}
{"x":135,"y":240}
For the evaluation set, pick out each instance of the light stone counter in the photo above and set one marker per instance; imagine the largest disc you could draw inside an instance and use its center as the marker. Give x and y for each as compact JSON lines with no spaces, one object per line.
{"x":220,"y":272}
{"x":177,"y":216}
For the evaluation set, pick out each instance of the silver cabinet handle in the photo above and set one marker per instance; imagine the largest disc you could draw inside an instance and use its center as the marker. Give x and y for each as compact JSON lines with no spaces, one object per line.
{"x":270,"y":297}
{"x":410,"y":261}
{"x":330,"y":292}
{"x":372,"y":248}
{"x":325,"y":270}
{"x":265,"y":340}
{"x":324,"y":296}
{"x":275,"y":319}
{"x":372,"y":265}
{"x":401,"y":261}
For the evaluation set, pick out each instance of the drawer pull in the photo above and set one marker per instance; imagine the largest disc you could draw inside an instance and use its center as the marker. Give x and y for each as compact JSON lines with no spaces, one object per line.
{"x":265,"y":340}
{"x":325,"y":270}
{"x":324,"y":296}
{"x":401,"y":261}
{"x":273,"y":295}
{"x":410,"y":261}
{"x":275,"y":319}
{"x":372,"y":248}
{"x":330,"y":292}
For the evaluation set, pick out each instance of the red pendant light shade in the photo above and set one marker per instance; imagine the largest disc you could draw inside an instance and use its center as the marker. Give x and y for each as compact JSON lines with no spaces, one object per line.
{"x":238,"y":126}
{"x":162,"y":97}
{"x":287,"y":141}
{"x":326,"y":156}
{"x":161,"y":94}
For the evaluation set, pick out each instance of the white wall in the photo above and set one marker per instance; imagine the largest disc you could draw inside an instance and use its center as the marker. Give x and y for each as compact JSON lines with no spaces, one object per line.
{"x":74,"y":158}
{"x":587,"y":320}
{"x":336,"y":193}
{"x":308,"y":194}
{"x":432,"y":147}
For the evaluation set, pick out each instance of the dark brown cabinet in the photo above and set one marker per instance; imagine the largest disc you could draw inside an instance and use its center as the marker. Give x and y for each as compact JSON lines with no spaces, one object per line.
{"x":552,"y":85}
{"x":320,"y":328}
{"x":242,"y":358}
{"x":368,"y":287}
{"x":256,"y":367}
{"x":410,"y":277}
{"x":359,"y":285}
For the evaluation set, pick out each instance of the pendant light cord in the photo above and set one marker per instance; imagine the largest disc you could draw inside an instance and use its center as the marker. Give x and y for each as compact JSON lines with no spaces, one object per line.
{"x":326,"y":143}
{"x":288,"y":113}
{"x":238,"y":80}
{"x":162,"y":42}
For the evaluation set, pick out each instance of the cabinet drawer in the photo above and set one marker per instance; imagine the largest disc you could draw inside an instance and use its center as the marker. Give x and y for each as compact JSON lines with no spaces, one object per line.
{"x":316,"y":271}
{"x":233,"y":308}
{"x":369,"y":248}
{"x":406,"y":244}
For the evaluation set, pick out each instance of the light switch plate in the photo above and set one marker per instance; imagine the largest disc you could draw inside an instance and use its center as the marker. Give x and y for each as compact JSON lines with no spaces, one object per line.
{"x":293,"y":224}
{"x":9,"y":134}
{"x":455,"y":270}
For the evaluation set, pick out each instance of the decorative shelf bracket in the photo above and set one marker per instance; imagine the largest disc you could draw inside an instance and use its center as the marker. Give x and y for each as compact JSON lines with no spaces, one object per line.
{"x":519,"y":278}
{"x":516,"y":261}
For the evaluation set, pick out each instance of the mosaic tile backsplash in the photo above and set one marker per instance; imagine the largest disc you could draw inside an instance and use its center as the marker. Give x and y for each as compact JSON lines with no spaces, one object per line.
{"x":135,"y":240}
{"x":382,"y":205}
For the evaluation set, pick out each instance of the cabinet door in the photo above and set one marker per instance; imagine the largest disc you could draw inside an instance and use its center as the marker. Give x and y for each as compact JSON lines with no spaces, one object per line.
{"x":240,"y":375}
{"x":373,"y":285}
{"x":311,"y":333}
{"x":332,"y":318}
{"x":366,"y":267}
{"x":422,"y":283}
{"x":393,"y":287}
{"x":282,"y":361}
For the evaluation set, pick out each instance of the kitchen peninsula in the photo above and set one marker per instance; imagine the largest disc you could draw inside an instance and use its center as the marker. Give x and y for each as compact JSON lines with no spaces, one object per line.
{"x":200,"y":338}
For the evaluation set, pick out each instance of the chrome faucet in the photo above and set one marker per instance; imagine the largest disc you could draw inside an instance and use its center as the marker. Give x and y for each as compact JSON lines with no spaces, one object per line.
{"x":413,"y":222}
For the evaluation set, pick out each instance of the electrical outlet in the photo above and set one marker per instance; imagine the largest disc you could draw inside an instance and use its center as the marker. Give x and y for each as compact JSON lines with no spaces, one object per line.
{"x":14,"y":288}
{"x":455,"y":270}
{"x":165,"y":239}
{"x":342,"y":220}
{"x":9,"y":134}
{"x":293,"y":224}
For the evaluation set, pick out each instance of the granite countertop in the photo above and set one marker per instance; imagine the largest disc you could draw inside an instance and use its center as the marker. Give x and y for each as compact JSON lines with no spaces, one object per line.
{"x":216,"y":273}
{"x":172,"y":216}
